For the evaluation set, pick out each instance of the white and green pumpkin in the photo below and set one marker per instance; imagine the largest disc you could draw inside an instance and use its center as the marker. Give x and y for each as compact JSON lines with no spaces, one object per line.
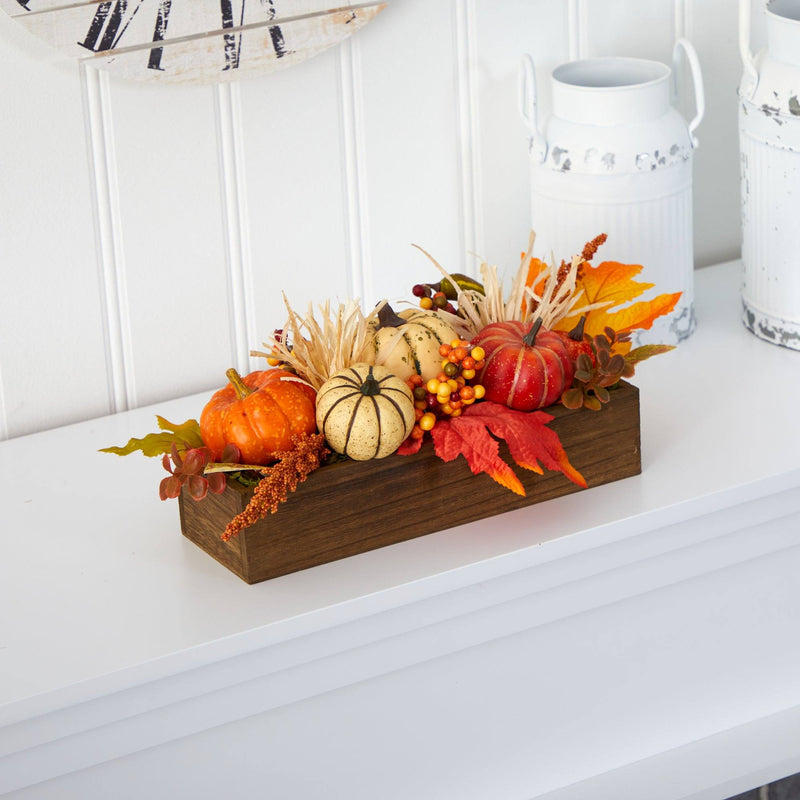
{"x":408,"y":343}
{"x":365,"y":411}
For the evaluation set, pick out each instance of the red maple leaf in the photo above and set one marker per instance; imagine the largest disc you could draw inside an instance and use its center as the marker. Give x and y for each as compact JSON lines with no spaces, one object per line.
{"x":470,"y":438}
{"x":409,"y":446}
{"x":529,"y":440}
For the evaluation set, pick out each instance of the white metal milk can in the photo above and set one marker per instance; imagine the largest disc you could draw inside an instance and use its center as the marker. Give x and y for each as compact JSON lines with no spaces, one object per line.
{"x":769,"y":142}
{"x":615,"y":157}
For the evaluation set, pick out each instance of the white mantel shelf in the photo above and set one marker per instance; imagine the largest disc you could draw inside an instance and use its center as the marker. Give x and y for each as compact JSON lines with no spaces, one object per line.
{"x":639,"y":640}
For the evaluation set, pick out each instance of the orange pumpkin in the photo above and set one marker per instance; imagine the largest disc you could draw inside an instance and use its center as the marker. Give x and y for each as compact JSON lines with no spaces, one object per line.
{"x":259,"y":414}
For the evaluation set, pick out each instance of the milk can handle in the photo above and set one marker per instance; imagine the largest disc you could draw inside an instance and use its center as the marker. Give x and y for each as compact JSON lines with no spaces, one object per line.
{"x":528,"y":107}
{"x":697,"y":80}
{"x":750,"y":78}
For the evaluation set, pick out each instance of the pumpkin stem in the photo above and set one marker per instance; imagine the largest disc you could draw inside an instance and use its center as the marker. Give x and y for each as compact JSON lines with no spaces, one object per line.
{"x":387,"y":318}
{"x":370,"y":386}
{"x":530,"y":337}
{"x":242,"y":390}
{"x":576,"y":334}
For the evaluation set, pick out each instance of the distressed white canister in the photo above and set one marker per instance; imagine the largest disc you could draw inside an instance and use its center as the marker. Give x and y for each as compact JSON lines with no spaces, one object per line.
{"x":615,"y":157}
{"x":769,"y":141}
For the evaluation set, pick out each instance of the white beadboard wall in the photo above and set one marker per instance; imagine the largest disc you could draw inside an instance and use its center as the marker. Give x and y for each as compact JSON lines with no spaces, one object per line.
{"x":146,"y":232}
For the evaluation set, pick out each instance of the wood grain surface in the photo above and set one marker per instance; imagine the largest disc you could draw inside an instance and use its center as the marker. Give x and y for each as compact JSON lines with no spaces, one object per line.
{"x":350,"y":507}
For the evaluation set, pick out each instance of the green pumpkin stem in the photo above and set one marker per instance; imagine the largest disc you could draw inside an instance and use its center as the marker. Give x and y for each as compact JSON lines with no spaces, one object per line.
{"x":370,"y":386}
{"x":576,"y":334}
{"x":530,"y":337}
{"x":242,"y":390}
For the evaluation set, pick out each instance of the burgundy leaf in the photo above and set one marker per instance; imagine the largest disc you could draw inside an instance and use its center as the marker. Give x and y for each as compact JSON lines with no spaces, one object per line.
{"x":198,"y":487}
{"x":193,"y":462}
{"x":169,"y":487}
{"x":231,"y":454}
{"x":217,"y":482}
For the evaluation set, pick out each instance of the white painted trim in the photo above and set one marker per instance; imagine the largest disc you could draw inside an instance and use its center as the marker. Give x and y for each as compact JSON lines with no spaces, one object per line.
{"x":577,"y":27}
{"x":359,"y":274}
{"x":109,"y":240}
{"x":683,"y":28}
{"x":3,"y":418}
{"x":469,"y":126}
{"x":727,"y":763}
{"x":236,"y":223}
{"x":386,"y":632}
{"x":684,"y":19}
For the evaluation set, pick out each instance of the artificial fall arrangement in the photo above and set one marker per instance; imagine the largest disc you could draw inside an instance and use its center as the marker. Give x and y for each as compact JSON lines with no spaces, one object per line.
{"x":468,"y":367}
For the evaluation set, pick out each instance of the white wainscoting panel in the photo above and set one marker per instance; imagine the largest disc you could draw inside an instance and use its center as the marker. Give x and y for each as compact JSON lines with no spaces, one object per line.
{"x":412,"y":152}
{"x":504,"y":31}
{"x":717,"y":208}
{"x":171,"y":222}
{"x":293,"y":145}
{"x":147,"y":231}
{"x":52,"y":344}
{"x":630,"y":28}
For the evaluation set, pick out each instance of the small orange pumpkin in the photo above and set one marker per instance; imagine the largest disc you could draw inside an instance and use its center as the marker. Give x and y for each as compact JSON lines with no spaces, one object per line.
{"x":259,"y":414}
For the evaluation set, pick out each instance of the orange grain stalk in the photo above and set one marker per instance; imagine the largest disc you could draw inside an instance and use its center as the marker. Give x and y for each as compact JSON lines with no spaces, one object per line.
{"x":590,"y":248}
{"x":292,"y":469}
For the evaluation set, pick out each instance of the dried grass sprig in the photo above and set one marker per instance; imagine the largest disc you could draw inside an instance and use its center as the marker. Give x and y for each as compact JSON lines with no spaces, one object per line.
{"x":318,"y":348}
{"x":559,"y":296}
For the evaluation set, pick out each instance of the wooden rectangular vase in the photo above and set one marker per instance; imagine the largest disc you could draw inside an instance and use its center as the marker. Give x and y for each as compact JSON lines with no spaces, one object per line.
{"x":349,"y":507}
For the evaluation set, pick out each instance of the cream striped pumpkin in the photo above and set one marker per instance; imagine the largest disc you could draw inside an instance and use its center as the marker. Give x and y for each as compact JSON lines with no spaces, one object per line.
{"x":365,"y":411}
{"x":413,"y":347}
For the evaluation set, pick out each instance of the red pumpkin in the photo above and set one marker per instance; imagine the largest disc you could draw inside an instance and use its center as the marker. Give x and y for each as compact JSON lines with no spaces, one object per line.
{"x":259,"y":414}
{"x":575,"y":342}
{"x":525,"y":367}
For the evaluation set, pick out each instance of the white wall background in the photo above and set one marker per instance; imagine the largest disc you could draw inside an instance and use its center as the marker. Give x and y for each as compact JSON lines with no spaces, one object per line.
{"x":146,"y":232}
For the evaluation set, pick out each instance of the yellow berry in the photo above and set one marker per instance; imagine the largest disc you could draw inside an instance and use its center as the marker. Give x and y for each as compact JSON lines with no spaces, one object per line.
{"x":447,"y":408}
{"x":479,"y":391}
{"x":427,"y":421}
{"x":432,"y":386}
{"x":426,"y":303}
{"x":478,"y":353}
{"x":452,"y":384}
{"x":456,"y":412}
{"x":469,"y":374}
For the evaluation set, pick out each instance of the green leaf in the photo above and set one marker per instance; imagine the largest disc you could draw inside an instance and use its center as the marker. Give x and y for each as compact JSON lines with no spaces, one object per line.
{"x":647,"y":351}
{"x":602,"y":394}
{"x":185,"y":436}
{"x":572,"y":398}
{"x":188,"y":431}
{"x":592,"y":403}
{"x":583,"y":363}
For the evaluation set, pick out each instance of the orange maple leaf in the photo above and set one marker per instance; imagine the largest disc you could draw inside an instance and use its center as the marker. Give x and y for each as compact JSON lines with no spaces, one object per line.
{"x":642,"y":315}
{"x":536,"y":274}
{"x":613,"y":283}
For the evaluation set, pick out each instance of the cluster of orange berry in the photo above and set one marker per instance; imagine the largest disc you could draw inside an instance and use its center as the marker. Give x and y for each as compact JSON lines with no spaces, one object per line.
{"x":450,"y":391}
